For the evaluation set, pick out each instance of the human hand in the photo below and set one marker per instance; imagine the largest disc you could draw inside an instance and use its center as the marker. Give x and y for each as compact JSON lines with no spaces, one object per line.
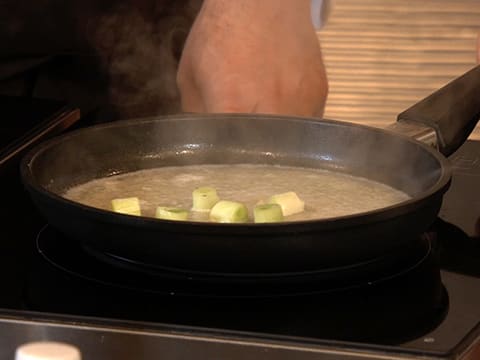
{"x":253,"y":56}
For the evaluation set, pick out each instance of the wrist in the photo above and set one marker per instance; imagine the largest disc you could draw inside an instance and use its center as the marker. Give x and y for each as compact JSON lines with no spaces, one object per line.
{"x":267,"y":10}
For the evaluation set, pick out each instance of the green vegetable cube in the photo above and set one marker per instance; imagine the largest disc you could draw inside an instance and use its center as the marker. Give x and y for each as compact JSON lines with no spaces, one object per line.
{"x":267,"y":213}
{"x":226,"y":211}
{"x":168,"y":213}
{"x":129,"y":206}
{"x":204,"y":198}
{"x":289,"y":202}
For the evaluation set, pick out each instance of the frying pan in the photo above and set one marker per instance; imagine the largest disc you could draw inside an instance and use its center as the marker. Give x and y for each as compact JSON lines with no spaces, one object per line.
{"x":445,"y":118}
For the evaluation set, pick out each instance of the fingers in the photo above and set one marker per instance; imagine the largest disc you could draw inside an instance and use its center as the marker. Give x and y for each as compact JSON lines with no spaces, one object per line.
{"x":254,"y":96}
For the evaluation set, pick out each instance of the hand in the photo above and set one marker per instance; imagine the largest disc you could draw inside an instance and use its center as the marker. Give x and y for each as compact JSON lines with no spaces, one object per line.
{"x":253,"y":56}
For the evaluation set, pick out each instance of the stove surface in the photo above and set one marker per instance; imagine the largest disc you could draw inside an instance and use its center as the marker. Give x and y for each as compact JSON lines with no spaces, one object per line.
{"x":428,"y":307}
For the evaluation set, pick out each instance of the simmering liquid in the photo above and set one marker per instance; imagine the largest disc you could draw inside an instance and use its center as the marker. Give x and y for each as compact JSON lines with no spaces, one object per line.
{"x":326,"y":194}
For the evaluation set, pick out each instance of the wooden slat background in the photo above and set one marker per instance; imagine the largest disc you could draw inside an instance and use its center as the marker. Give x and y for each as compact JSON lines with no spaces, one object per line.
{"x":382,"y":56}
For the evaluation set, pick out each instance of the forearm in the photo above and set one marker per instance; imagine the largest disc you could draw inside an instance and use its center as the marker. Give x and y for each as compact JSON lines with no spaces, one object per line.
{"x":253,"y":22}
{"x":256,"y":6}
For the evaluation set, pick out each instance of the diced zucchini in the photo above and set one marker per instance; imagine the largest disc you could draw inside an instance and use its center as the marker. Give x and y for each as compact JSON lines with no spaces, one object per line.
{"x":226,"y":211}
{"x":129,"y":206}
{"x":289,"y":202}
{"x":168,"y":213}
{"x":267,"y":213}
{"x":204,"y":198}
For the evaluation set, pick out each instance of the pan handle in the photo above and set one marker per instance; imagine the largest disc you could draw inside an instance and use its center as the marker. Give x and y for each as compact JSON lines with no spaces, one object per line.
{"x":452,"y":112}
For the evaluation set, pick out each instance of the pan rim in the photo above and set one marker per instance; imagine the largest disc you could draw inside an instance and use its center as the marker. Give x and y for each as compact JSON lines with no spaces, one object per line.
{"x":439,"y":187}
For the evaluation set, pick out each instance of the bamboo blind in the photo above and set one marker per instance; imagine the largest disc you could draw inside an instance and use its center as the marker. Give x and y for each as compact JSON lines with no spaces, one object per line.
{"x":382,"y":56}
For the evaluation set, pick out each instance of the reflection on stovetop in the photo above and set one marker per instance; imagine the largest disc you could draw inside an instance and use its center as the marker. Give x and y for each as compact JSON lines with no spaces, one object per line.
{"x":390,"y":310}
{"x":73,"y":257}
{"x":420,"y":308}
{"x":457,"y":251}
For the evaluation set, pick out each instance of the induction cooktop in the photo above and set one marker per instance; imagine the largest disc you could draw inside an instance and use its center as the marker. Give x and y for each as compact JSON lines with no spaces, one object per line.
{"x":427,"y":305}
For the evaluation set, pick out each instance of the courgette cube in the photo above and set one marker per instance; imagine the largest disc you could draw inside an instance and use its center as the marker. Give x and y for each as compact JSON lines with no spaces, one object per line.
{"x":204,"y":198}
{"x":265,"y":213}
{"x":289,"y":202}
{"x":226,"y":211}
{"x":129,"y":206}
{"x":169,"y":213}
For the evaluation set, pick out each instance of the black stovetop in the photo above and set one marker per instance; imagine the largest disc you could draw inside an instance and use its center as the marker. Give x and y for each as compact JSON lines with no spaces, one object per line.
{"x":431,"y":306}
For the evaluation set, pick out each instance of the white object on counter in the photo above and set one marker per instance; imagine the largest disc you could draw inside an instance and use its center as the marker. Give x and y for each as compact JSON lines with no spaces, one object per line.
{"x":47,"y":350}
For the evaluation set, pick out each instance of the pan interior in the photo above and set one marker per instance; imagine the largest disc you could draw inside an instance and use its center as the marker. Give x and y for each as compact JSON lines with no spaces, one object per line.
{"x":146,"y":144}
{"x":326,"y":193}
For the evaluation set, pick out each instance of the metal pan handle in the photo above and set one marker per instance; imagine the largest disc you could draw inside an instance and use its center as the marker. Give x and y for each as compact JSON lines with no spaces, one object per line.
{"x":452,"y":112}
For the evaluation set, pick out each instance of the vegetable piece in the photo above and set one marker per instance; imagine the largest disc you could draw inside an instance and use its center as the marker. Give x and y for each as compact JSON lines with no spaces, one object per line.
{"x":226,"y":211}
{"x":129,"y":206}
{"x":204,"y":198}
{"x":289,"y":202}
{"x":169,"y":213}
{"x":265,"y":213}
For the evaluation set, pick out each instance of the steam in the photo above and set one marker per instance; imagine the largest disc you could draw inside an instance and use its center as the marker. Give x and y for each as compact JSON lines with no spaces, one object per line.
{"x":140,"y":49}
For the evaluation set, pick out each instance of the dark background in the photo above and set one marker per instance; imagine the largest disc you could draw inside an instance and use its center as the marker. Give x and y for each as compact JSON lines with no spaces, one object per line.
{"x":115,"y":58}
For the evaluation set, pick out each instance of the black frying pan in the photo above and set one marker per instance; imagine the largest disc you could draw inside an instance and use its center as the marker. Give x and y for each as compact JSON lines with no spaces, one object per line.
{"x":291,"y":247}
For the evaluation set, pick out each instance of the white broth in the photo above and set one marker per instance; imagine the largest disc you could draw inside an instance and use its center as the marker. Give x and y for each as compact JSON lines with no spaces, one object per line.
{"x":326,"y":193}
